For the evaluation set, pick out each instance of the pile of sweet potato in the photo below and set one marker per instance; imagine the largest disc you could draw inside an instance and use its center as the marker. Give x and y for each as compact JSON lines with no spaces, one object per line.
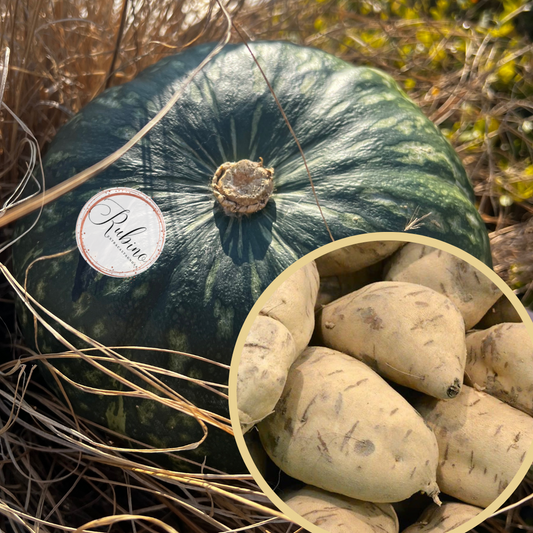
{"x":383,"y":370}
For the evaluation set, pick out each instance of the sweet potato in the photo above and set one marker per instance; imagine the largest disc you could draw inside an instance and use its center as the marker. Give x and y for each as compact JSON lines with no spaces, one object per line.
{"x":268,"y":352}
{"x":340,"y":427}
{"x":293,"y":304}
{"x":339,"y":514}
{"x":278,"y":335}
{"x":472,"y":292}
{"x":482,"y":443}
{"x":408,"y":333}
{"x":355,"y":257}
{"x":500,"y":362}
{"x":442,"y":519}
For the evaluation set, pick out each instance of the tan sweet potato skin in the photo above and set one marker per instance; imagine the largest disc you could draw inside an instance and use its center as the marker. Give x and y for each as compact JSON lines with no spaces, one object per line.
{"x":293,"y":304}
{"x":268,"y":353}
{"x":442,"y":519}
{"x":482,"y":444}
{"x":340,"y":427}
{"x":278,"y":335}
{"x":470,"y":290}
{"x":339,"y":514}
{"x":408,"y":333}
{"x":500,"y":361}
{"x":355,"y":257}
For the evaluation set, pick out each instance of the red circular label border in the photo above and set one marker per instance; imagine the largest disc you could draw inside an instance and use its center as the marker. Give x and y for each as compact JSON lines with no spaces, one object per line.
{"x":109,"y":193}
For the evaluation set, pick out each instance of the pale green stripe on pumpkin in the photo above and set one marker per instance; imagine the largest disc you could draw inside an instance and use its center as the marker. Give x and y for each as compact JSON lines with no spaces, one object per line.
{"x":111,"y":99}
{"x":309,"y":62}
{"x":116,"y":416}
{"x":177,"y":340}
{"x":192,"y":225}
{"x":359,"y":223}
{"x":387,"y":123}
{"x":191,"y":151}
{"x":113,"y":286}
{"x":383,"y":198}
{"x":308,"y":83}
{"x":419,"y":153}
{"x":258,"y":82}
{"x":205,"y":89}
{"x":54,"y":217}
{"x":34,"y":253}
{"x":152,"y":107}
{"x":373,"y":99}
{"x":280,"y":246}
{"x":233,"y":137}
{"x":99,"y":329}
{"x":220,"y":147}
{"x":408,"y":126}
{"x":240,"y":250}
{"x":255,"y":124}
{"x":81,"y":306}
{"x":126,"y":132}
{"x":131,"y":98}
{"x":57,"y":157}
{"x":141,"y":291}
{"x":40,"y":290}
{"x":194,"y":94}
{"x":158,"y":441}
{"x":474,"y":221}
{"x":210,"y":279}
{"x":172,"y":422}
{"x":45,"y":347}
{"x":252,"y":155}
{"x":256,"y":285}
{"x":292,"y":200}
{"x":315,"y":157}
{"x":386,"y":78}
{"x":146,"y":412}
{"x":216,"y":71}
{"x":224,"y":320}
{"x":227,"y":234}
{"x":338,"y":109}
{"x":92,"y":376}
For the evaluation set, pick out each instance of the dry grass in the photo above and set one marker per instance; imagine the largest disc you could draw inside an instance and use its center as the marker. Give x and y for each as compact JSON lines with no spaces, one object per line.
{"x":58,"y":472}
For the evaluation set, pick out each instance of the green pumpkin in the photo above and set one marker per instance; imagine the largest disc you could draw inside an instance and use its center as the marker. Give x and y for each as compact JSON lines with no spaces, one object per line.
{"x":376,"y":162}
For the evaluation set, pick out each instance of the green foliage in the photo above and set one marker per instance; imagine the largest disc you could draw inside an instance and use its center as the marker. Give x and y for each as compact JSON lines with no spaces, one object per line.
{"x":467,"y":63}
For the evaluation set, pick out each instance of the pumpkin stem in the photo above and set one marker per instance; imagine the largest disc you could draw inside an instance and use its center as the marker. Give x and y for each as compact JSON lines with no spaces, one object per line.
{"x":244,"y":187}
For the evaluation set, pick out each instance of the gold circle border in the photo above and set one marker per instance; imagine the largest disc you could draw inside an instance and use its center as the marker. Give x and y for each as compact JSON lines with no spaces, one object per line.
{"x":269,"y":291}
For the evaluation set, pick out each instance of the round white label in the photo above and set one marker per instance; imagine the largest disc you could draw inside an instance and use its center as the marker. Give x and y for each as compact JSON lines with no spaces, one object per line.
{"x":120,"y":232}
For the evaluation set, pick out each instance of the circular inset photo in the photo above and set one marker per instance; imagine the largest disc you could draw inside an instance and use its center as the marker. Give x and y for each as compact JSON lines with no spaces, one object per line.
{"x":384,"y":383}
